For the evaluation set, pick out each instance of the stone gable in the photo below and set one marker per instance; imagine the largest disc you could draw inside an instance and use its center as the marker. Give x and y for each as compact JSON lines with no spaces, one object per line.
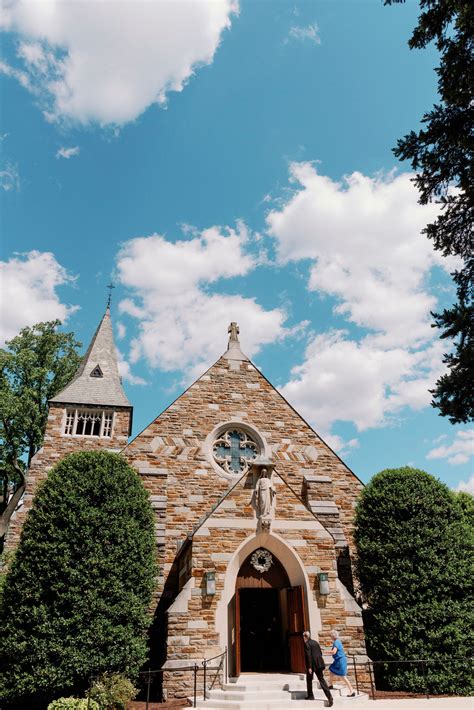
{"x":171,"y":457}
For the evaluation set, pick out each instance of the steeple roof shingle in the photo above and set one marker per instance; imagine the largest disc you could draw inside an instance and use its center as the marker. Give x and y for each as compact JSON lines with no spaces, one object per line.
{"x":97,"y":380}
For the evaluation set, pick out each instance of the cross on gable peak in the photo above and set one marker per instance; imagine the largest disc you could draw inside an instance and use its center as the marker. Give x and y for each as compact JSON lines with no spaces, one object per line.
{"x":233,"y":348}
{"x":234,"y":331}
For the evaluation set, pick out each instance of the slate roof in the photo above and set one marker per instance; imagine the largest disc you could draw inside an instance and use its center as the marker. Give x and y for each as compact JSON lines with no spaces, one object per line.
{"x":104,"y":387}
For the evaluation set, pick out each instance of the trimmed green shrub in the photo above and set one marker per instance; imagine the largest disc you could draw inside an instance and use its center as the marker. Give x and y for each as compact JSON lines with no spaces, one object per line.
{"x":73,"y":704}
{"x":414,"y":540}
{"x":113,"y":691}
{"x":76,"y":600}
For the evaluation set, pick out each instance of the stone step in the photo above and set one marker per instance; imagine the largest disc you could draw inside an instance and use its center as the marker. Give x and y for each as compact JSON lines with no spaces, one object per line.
{"x":293,"y":685}
{"x":268,"y":678}
{"x":318,"y":703}
{"x":271,"y":691}
{"x":253,"y":687}
{"x":286,"y":704}
{"x":283,"y":683}
{"x":255,"y":695}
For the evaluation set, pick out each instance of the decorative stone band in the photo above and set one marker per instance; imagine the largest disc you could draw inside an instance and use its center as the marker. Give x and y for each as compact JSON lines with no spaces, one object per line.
{"x":150,"y":470}
{"x":324,"y":507}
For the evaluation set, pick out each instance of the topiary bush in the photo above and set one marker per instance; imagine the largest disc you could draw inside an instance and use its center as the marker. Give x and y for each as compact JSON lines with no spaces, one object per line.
{"x":76,"y":600}
{"x":414,"y":540}
{"x":113,"y":691}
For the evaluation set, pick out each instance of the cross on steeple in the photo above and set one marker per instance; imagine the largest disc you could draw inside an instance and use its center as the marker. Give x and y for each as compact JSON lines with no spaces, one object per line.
{"x":109,"y":300}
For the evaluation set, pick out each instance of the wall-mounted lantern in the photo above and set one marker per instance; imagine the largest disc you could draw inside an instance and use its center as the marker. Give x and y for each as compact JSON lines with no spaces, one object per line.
{"x":323,"y":583}
{"x":210,"y":582}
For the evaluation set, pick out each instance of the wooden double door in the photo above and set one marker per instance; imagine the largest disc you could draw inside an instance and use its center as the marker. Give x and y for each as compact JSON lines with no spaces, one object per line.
{"x":267,"y":618}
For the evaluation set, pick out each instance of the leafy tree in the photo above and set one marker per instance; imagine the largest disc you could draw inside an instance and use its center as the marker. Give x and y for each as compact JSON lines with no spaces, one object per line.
{"x":36,"y":364}
{"x":442,"y":154}
{"x":75,"y":602}
{"x":414,"y":541}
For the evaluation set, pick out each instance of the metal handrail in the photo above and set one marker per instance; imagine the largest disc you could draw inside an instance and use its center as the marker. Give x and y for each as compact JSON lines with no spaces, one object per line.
{"x":195,"y":668}
{"x":223,"y":657}
{"x":424,"y":663}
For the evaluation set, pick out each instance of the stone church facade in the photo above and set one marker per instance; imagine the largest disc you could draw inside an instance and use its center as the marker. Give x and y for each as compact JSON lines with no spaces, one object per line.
{"x":253,"y":512}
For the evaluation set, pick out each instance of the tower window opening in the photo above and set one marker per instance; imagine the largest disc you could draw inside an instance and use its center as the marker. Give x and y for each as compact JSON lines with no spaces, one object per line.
{"x":88,"y":422}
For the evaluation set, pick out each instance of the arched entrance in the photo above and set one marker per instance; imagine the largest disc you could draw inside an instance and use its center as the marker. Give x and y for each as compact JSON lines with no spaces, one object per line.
{"x":270,"y":617}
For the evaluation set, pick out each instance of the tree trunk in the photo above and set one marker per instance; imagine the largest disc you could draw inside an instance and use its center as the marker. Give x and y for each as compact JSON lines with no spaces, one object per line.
{"x":13,"y":502}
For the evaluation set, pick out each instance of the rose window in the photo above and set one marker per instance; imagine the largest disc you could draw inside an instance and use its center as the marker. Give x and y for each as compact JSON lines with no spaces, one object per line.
{"x":235,"y":450}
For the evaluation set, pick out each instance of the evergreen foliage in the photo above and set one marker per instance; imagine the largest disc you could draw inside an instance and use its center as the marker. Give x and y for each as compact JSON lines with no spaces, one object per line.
{"x":414,"y":540}
{"x":442,"y":154}
{"x":76,"y":600}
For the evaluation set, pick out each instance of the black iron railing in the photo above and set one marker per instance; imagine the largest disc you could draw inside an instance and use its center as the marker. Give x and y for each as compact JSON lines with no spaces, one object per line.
{"x":196,"y":668}
{"x":420,"y":666}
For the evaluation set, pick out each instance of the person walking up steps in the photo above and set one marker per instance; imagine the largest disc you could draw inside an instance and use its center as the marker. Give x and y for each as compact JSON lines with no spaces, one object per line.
{"x":338,"y":668}
{"x":315,"y":665}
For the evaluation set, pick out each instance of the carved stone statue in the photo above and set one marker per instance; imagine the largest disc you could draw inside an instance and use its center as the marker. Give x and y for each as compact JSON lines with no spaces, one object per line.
{"x":265,"y":499}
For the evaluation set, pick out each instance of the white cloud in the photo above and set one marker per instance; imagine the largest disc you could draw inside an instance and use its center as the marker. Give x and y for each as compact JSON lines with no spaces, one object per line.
{"x":466,"y":486}
{"x":10,"y":178}
{"x":460,"y":451}
{"x":362,"y":239}
{"x":301,"y":33}
{"x":107,"y":62}
{"x":121,"y":331}
{"x":67,"y":153}
{"x":21,"y":76}
{"x":29,"y":285}
{"x":345,"y":380}
{"x":339,"y":445}
{"x":125,"y":371}
{"x":183,"y":324}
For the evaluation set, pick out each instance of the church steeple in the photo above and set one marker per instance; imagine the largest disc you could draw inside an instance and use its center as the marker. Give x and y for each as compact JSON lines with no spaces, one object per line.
{"x":97,"y":381}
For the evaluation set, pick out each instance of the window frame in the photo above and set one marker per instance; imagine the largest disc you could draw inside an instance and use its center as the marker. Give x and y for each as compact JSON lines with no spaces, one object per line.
{"x":73,"y":415}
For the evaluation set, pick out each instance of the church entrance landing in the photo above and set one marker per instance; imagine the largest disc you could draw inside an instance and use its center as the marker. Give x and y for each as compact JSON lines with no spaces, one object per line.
{"x":269,"y":618}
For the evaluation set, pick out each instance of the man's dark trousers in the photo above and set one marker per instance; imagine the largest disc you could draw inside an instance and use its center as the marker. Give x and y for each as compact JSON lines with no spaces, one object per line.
{"x":324,"y":686}
{"x":315,"y":662}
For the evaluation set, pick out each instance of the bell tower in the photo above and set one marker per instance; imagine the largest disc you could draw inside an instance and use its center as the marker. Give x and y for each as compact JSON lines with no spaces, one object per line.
{"x":92,"y":412}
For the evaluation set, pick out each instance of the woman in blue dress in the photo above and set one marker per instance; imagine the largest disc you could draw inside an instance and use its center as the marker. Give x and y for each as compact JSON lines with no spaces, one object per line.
{"x":338,"y":667}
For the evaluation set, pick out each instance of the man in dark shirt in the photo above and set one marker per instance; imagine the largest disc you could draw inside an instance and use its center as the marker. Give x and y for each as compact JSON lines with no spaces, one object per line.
{"x":315,"y":665}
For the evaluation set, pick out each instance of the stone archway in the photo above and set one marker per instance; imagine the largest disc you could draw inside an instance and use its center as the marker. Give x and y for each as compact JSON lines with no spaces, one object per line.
{"x":301,"y":598}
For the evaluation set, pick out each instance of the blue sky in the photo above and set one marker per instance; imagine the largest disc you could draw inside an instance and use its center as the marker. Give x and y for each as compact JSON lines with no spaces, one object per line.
{"x":222,"y":161}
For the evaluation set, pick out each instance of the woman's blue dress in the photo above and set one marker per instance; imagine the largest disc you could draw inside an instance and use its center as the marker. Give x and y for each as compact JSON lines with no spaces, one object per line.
{"x":339,"y":664}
